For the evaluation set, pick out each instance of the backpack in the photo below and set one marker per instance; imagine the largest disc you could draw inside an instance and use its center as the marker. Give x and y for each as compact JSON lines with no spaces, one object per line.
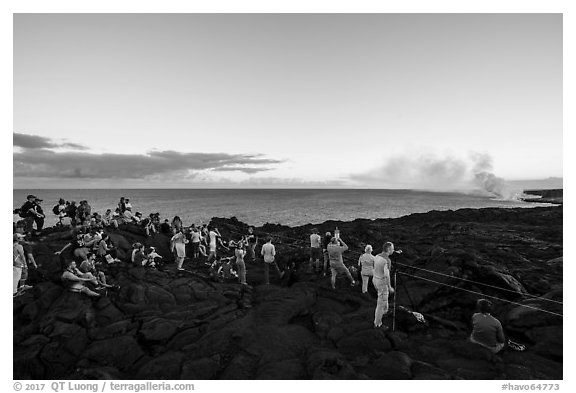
{"x":56,"y":209}
{"x":21,"y":212}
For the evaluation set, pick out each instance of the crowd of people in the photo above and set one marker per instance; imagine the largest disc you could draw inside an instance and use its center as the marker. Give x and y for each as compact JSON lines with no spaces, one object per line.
{"x":94,"y":248}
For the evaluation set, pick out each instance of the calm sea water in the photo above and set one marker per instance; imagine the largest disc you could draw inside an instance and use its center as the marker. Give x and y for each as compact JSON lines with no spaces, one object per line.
{"x":257,"y":207}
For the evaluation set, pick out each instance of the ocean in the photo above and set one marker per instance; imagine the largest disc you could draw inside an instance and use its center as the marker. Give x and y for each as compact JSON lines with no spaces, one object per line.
{"x":257,"y":207}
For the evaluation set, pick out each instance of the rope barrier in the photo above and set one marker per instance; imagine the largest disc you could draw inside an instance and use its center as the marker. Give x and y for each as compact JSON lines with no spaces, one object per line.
{"x":533,"y":297}
{"x":482,"y":294}
{"x":476,"y":282}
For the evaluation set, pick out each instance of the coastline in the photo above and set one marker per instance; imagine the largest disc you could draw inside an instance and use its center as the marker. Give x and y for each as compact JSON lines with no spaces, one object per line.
{"x":553,"y":196}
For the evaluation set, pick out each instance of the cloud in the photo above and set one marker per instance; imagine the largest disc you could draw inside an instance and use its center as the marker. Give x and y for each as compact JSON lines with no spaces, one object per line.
{"x":248,"y":170}
{"x":36,"y":160}
{"x":425,"y":171}
{"x":26,"y":141}
{"x":274,"y":182}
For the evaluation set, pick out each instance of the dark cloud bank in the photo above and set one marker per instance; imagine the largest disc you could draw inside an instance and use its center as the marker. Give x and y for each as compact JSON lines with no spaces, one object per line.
{"x":36,"y":159}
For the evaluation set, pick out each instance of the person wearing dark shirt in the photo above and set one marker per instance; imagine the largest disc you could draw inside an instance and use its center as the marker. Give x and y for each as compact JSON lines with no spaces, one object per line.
{"x":252,"y":242}
{"x":39,"y":213}
{"x":31,"y":215}
{"x":325,"y":241}
{"x":165,"y":227}
{"x":122,"y":205}
{"x":71,"y":210}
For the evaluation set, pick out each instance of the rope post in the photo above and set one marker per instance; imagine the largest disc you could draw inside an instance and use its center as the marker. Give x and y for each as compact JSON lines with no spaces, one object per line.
{"x":394,"y":305}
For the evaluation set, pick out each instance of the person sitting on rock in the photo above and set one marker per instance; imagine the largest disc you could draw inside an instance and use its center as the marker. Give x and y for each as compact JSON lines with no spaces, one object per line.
{"x":79,"y":249}
{"x":149,"y":226}
{"x":83,"y":212}
{"x":72,"y":278}
{"x":128,"y":217}
{"x":366,"y":263}
{"x":226,"y":271}
{"x":92,"y":239}
{"x":137,"y":256}
{"x":105,"y":250}
{"x":109,"y":220}
{"x":487,"y":330}
{"x":335,"y":250}
{"x":381,"y":282}
{"x":153,"y":259}
{"x":88,"y":266}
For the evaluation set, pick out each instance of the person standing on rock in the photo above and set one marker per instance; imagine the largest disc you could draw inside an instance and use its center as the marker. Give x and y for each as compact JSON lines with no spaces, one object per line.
{"x":214,"y":238}
{"x":366,"y":263}
{"x":269,"y":253}
{"x":18,"y":261}
{"x":315,"y":250}
{"x":252,"y":242}
{"x":487,"y":330}
{"x":381,"y":282}
{"x":325,"y":241}
{"x":178,"y":245}
{"x":195,"y":238}
{"x":335,"y":250}
{"x":240,"y":252}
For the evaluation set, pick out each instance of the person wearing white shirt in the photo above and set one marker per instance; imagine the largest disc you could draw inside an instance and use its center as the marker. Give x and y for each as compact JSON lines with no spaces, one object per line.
{"x":315,"y":250}
{"x":381,"y":282}
{"x":366,"y":263}
{"x":269,"y":253}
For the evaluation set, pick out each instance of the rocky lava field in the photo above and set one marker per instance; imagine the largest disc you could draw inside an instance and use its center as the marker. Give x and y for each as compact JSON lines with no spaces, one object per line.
{"x":169,"y":324}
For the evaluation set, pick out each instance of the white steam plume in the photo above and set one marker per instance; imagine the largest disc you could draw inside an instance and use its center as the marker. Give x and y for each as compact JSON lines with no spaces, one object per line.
{"x":431,"y":172}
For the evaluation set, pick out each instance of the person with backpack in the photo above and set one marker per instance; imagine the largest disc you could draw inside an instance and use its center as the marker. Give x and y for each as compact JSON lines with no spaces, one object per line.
{"x":60,"y":210}
{"x":39,"y":215}
{"x":32,"y":214}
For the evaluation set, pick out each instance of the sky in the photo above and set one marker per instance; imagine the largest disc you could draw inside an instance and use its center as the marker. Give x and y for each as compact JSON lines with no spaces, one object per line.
{"x":285,"y":100}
